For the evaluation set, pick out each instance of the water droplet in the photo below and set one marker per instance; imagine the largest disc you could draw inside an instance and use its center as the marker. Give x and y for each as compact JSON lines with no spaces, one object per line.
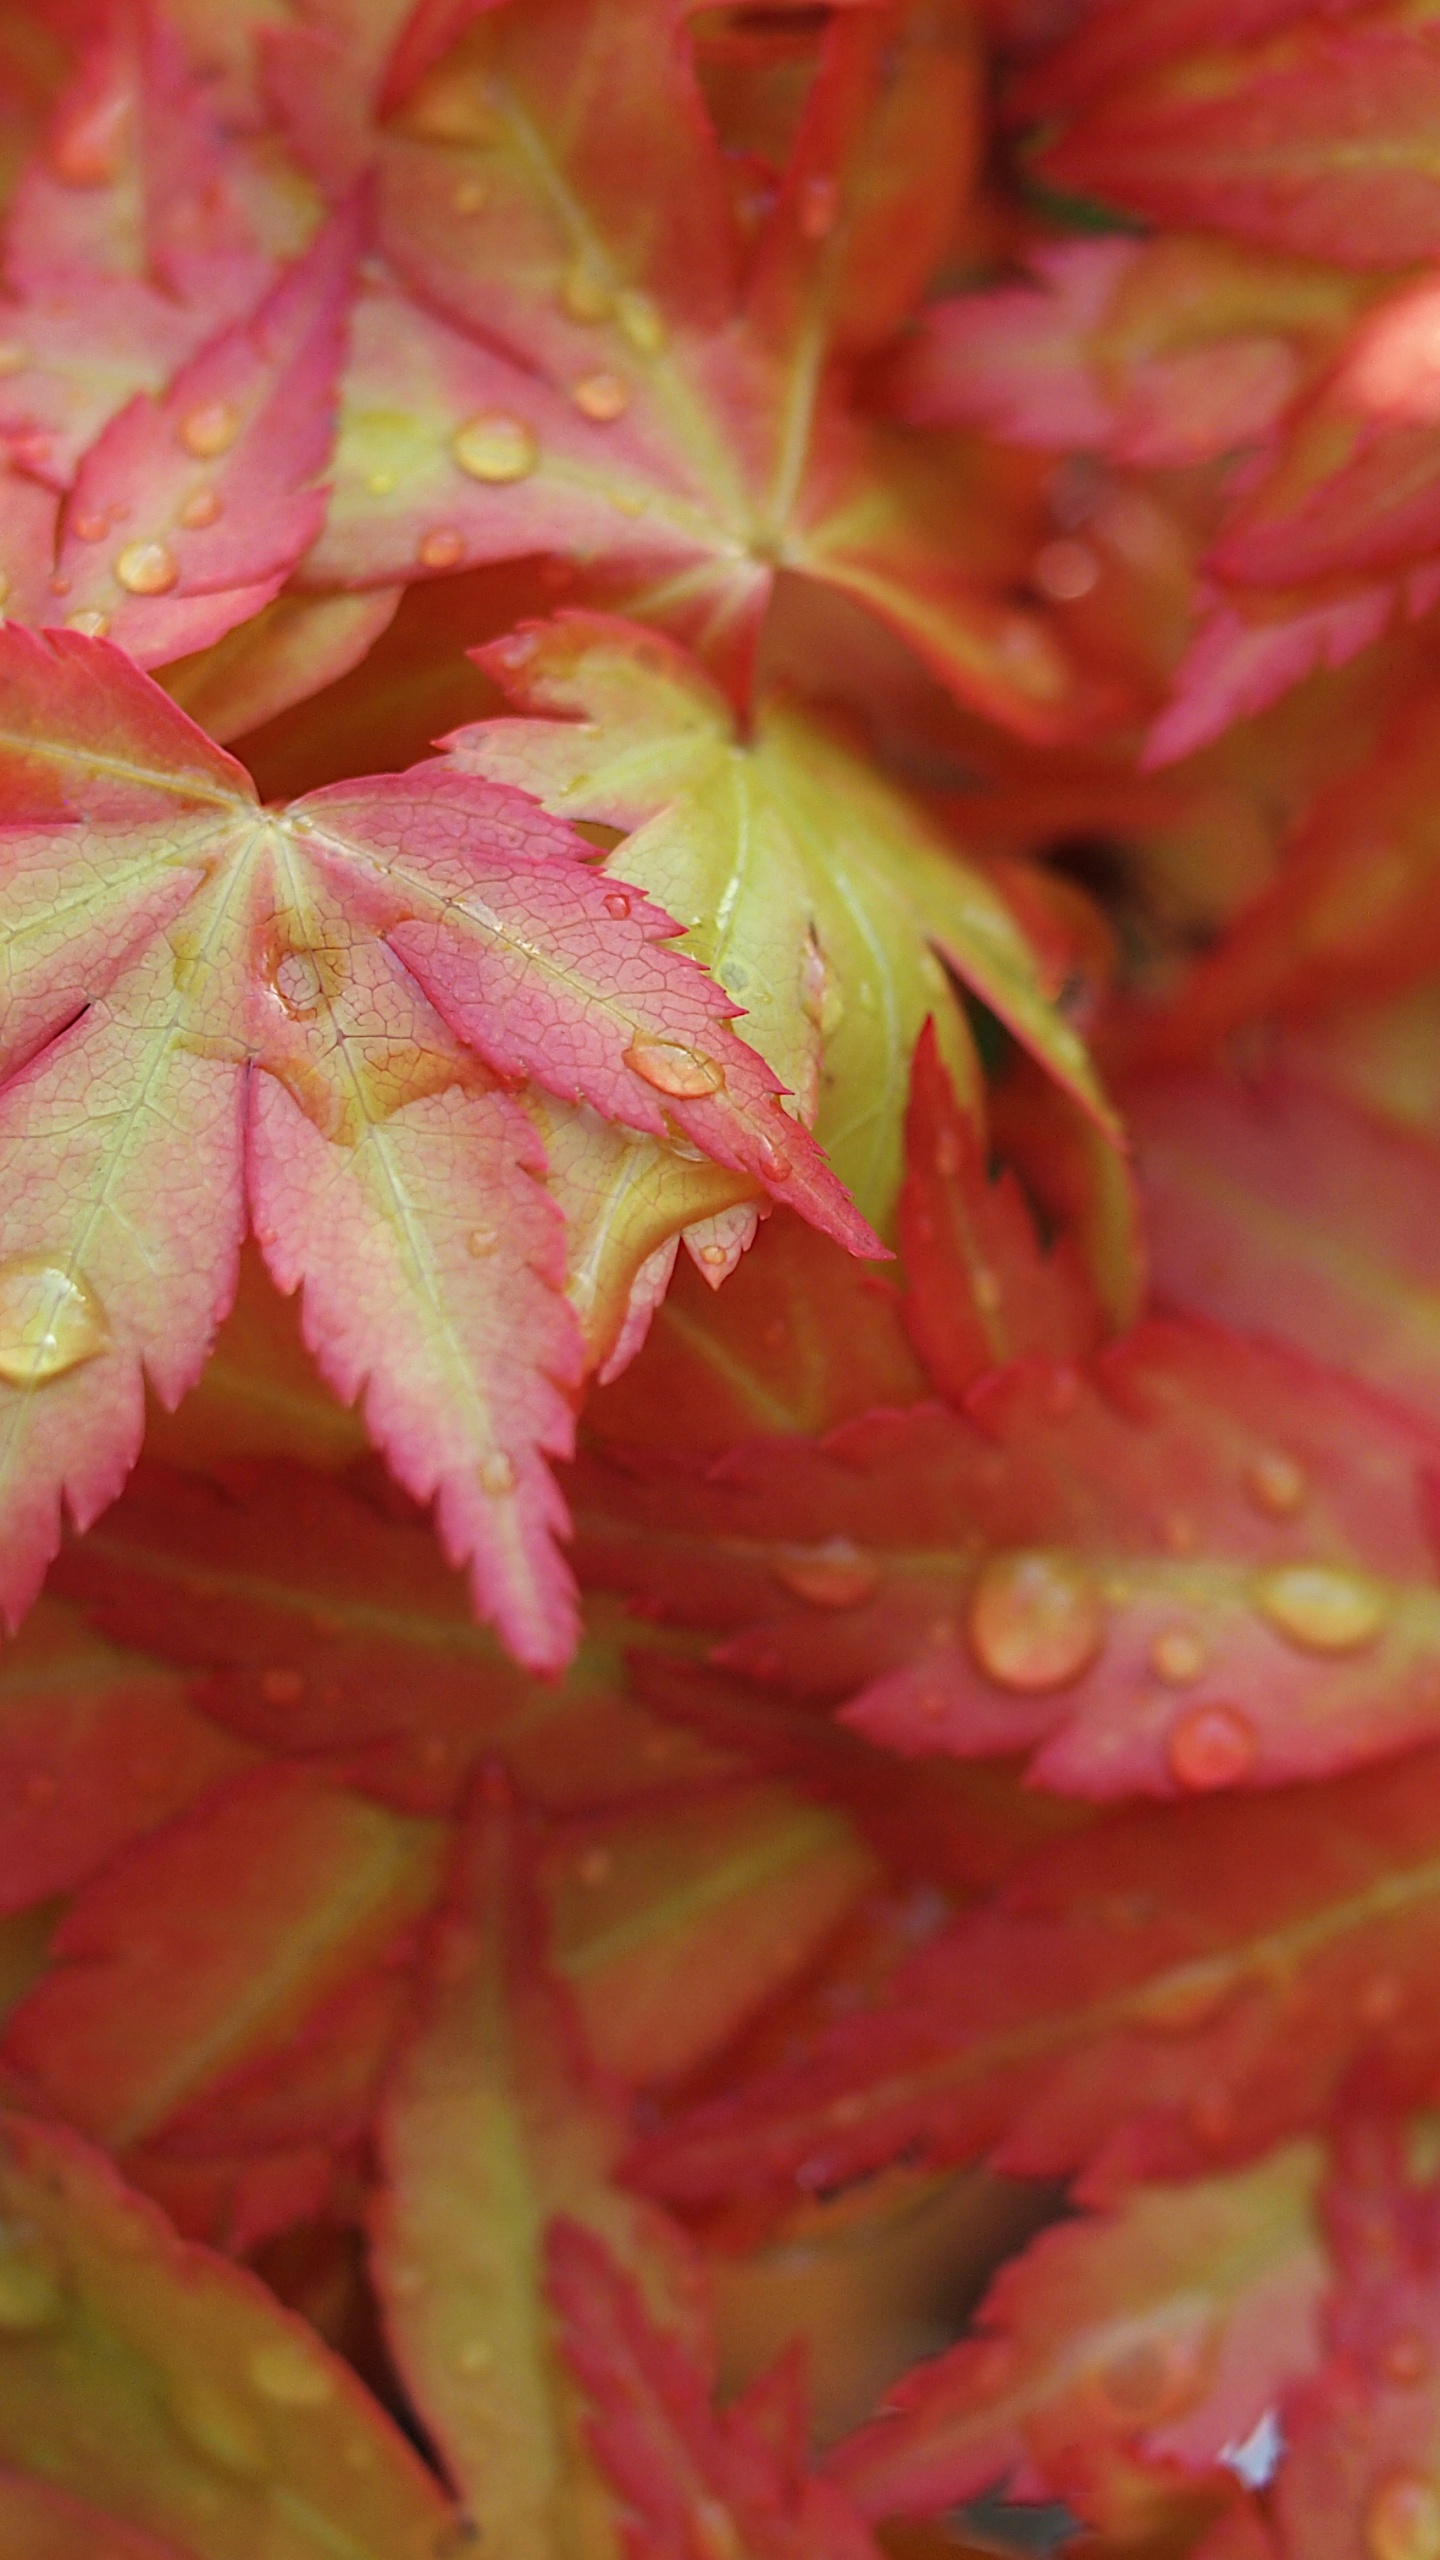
{"x":471,"y":196}
{"x":298,"y":983}
{"x":93,"y":626}
{"x":641,"y":322}
{"x":217,"y":2428}
{"x":601,"y":396}
{"x":584,"y":295}
{"x":282,"y":1685}
{"x":1406,"y":2357}
{"x":60,"y":585}
{"x":1402,"y":2521}
{"x":1180,"y":2002}
{"x":380,"y":483}
{"x":1277,"y":1485}
{"x":482,"y":1241}
{"x":209,"y":429}
{"x":1065,"y":570}
{"x":290,"y":2373}
{"x":30,"y":2297}
{"x":1036,"y":1620}
{"x":202,"y":507}
{"x":497,"y":1472}
{"x":49,"y":1321}
{"x":819,"y":207}
{"x":146,"y":569}
{"x":1212,"y":1746}
{"x":714,"y":1254}
{"x":1323,"y":1608}
{"x":838,"y":1575}
{"x":13,"y":357}
{"x":1137,"y":2383}
{"x":672,"y":1068}
{"x":496,"y":447}
{"x":1177,"y":1656}
{"x":771,"y":1157}
{"x":441,"y":549}
{"x":475,"y":2356}
{"x":616,"y":903}
{"x":90,"y":528}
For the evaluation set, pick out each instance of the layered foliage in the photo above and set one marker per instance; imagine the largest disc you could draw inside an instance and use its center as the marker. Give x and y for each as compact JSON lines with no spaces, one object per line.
{"x":719,"y":1300}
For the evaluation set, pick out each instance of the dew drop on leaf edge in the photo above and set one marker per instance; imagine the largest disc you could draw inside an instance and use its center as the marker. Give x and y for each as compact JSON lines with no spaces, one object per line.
{"x":50,"y":1321}
{"x":673,"y":1068}
{"x":496,"y":447}
{"x":1036,"y":1620}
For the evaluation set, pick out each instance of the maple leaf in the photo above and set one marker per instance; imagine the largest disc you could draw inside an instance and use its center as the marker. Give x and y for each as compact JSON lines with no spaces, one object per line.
{"x":1251,"y":648}
{"x":1163,"y":353}
{"x":1286,"y":1207}
{"x":96,"y":1746}
{"x":171,"y":2389}
{"x":1316,"y":143}
{"x":1134,"y":1568}
{"x":353,"y":947}
{"x":493,"y":2125}
{"x":689,"y":2479}
{"x":1159,"y":2327}
{"x":209,"y":1941}
{"x":979,"y":1290}
{"x":818,"y":897}
{"x":628,"y":396}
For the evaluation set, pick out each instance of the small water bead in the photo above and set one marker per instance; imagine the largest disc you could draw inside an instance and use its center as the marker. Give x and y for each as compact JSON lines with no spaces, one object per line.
{"x":495,"y":447}
{"x":50,"y":1321}
{"x":217,"y":2428}
{"x":1322,"y":1608}
{"x":94,"y":626}
{"x":1065,"y":570}
{"x":819,"y":207}
{"x":60,"y":585}
{"x":291,"y":2374}
{"x":146,"y":569}
{"x":601,"y":396}
{"x":1212,"y":1746}
{"x":1402,"y":2521}
{"x":441,"y":549}
{"x":482,"y":1241}
{"x":838,"y":1575}
{"x":203,"y":507}
{"x":641,"y":322}
{"x":714,"y":1254}
{"x":1178,"y":1656}
{"x":471,"y":196}
{"x":209,"y":429}
{"x":497,"y":1472}
{"x":1036,"y":1620}
{"x":1276,"y":1484}
{"x":616,"y":903}
{"x":90,"y":528}
{"x":476,"y":2355}
{"x":671,"y":1067}
{"x":773,"y":1161}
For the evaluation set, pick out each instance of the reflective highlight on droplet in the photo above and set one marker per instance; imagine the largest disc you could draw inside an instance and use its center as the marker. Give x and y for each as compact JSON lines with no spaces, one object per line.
{"x":496,"y":447}
{"x":1276,"y":1484}
{"x":1036,"y":1620}
{"x":210,"y":429}
{"x":1212,"y":1746}
{"x":497,"y":1472}
{"x":1177,"y":1656}
{"x":838,"y":1575}
{"x":671,"y":1067}
{"x":146,"y":569}
{"x":1323,"y":1608}
{"x":50,"y":1321}
{"x":602,"y":396}
{"x":290,"y":2374}
{"x":441,"y":549}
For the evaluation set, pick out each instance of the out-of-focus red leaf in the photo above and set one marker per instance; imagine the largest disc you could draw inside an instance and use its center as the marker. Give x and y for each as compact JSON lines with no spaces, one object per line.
{"x":1160,"y":2327}
{"x":689,"y":2479}
{"x":47,"y":2524}
{"x":207,"y":1943}
{"x":1208,"y":1976}
{"x":1134,"y":1568}
{"x":979,"y":1292}
{"x":1320,"y":143}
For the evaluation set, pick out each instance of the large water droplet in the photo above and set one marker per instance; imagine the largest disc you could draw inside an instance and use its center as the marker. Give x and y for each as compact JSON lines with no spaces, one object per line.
{"x":146,"y":569}
{"x":1036,"y":1620}
{"x":1402,"y":2521}
{"x":602,"y":396}
{"x":616,"y":903}
{"x":771,"y":1157}
{"x":496,"y":447}
{"x":94,"y":626}
{"x":1212,"y":1746}
{"x":1276,"y":1484}
{"x":209,"y":429}
{"x":838,"y":1575}
{"x":50,"y":1321}
{"x":1323,"y":1608}
{"x":291,"y":2374}
{"x":672,"y":1068}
